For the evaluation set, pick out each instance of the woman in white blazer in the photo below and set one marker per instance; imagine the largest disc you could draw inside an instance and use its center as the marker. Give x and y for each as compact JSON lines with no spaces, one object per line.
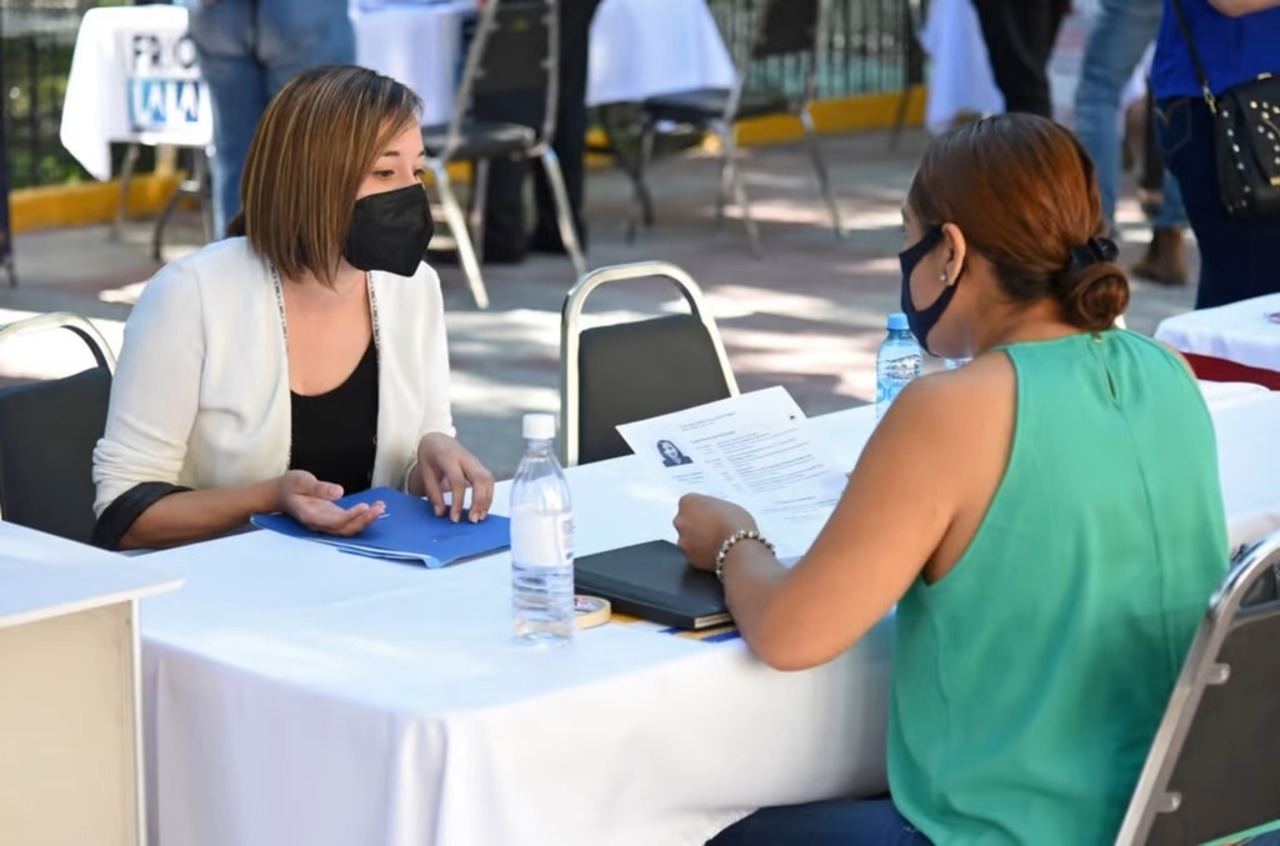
{"x":304,"y":359}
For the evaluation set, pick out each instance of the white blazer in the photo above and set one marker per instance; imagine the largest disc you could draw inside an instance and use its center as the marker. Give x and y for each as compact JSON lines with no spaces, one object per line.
{"x":201,"y":390}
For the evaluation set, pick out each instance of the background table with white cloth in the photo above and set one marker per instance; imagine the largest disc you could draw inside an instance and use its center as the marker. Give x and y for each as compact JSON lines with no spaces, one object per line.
{"x":1239,"y":341}
{"x":134,"y":75}
{"x":301,"y":695}
{"x":133,"y":78}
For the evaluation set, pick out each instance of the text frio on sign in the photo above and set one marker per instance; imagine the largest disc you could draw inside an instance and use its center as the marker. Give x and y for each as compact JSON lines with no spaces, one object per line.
{"x":164,"y":88}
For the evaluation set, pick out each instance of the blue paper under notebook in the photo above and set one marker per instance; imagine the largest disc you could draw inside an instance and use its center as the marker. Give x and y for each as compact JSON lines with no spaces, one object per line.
{"x":408,"y":531}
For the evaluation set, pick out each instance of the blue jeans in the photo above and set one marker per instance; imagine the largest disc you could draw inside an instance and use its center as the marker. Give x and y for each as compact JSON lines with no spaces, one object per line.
{"x":248,"y":50}
{"x":1237,"y":254}
{"x":840,"y":822}
{"x":1120,"y":36}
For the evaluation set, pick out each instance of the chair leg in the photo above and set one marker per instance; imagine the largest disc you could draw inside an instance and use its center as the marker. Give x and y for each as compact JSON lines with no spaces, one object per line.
{"x":820,"y":168}
{"x":479,"y":194}
{"x":564,"y":215}
{"x":725,"y":191}
{"x":126,"y":176}
{"x":641,"y":199}
{"x":900,"y":120}
{"x":157,"y":234}
{"x":457,"y":223}
{"x":204,"y":188}
{"x":733,"y":175}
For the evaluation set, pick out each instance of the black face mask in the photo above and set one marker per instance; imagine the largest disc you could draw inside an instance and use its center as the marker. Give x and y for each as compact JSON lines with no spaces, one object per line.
{"x":923,"y":320}
{"x":390,"y":231}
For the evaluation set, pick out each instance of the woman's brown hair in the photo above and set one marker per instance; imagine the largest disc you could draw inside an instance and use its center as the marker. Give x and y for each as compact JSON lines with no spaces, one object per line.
{"x":314,"y":145}
{"x":1024,"y":193}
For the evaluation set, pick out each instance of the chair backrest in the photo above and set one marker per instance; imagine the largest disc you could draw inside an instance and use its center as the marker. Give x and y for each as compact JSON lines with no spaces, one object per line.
{"x":782,"y":28}
{"x":787,"y":27}
{"x":1211,"y":771}
{"x":516,"y":47}
{"x":47,"y":434}
{"x":631,"y":371}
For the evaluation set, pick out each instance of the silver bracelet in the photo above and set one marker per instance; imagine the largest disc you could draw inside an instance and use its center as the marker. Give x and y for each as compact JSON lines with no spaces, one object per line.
{"x":408,"y":474}
{"x":732,"y":541}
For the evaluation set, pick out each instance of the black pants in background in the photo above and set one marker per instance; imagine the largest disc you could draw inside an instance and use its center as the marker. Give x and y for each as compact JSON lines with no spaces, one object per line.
{"x":1020,"y":35}
{"x":1237,"y":254}
{"x":506,"y":236}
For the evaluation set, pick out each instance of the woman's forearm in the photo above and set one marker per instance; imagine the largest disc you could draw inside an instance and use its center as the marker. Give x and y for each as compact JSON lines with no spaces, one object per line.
{"x":190,"y":516}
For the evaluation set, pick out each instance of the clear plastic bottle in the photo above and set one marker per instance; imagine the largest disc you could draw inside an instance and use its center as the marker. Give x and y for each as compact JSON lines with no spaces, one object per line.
{"x":955,"y":363}
{"x":541,"y":540}
{"x":898,"y":361}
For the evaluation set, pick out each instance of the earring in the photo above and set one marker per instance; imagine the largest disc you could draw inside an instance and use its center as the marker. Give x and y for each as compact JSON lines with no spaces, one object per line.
{"x":943,"y":277}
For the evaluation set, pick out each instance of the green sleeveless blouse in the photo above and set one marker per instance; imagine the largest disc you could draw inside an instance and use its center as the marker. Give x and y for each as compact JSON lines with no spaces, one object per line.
{"x":1029,"y":681}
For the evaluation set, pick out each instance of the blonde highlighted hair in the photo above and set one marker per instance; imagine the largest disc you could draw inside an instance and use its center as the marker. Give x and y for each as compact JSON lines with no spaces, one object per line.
{"x":314,"y":145}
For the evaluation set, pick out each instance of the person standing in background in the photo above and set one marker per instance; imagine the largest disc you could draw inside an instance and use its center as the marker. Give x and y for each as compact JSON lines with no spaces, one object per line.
{"x":1120,"y":35}
{"x":1020,"y":35}
{"x":1237,"y":42}
{"x":506,"y":236}
{"x":248,"y":50}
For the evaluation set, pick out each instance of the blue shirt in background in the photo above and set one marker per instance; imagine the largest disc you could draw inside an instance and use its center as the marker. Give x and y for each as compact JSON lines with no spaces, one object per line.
{"x":1233,"y":50}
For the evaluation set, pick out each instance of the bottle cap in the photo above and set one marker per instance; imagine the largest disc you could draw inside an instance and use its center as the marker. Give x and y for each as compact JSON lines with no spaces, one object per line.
{"x":898,"y":322}
{"x":539,"y":427}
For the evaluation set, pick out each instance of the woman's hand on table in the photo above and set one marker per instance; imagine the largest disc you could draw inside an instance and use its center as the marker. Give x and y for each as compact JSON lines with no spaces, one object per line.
{"x":447,"y":466}
{"x":311,"y":502}
{"x":704,"y":523}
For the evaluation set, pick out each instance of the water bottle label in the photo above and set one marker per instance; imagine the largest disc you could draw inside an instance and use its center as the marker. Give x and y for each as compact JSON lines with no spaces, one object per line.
{"x":543,"y":540}
{"x":887,"y":392}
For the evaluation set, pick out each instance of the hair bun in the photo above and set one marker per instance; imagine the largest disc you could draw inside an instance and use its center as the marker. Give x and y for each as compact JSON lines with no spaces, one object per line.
{"x":1093,"y":294}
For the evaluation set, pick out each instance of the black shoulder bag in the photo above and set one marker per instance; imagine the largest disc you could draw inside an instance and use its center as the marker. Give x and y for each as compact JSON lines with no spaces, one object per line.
{"x":1246,"y":120}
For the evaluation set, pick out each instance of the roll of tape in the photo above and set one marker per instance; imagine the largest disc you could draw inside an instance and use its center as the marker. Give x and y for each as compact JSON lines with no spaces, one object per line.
{"x":591,"y":611}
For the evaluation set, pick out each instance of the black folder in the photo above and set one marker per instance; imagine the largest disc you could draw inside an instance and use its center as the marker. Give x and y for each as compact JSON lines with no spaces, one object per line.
{"x":654,"y":581}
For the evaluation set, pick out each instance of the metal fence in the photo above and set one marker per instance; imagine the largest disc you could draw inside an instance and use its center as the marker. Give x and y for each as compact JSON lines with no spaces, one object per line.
{"x":867,"y":48}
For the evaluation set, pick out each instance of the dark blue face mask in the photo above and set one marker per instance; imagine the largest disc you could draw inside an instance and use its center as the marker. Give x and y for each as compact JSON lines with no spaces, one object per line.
{"x":923,"y":320}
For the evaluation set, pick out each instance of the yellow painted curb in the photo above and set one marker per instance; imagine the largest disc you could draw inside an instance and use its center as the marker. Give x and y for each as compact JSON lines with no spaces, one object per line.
{"x":874,"y":111}
{"x":87,"y":203}
{"x":96,"y":202}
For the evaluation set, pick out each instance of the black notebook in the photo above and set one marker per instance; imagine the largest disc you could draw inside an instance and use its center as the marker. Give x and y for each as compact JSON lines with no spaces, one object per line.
{"x":653,"y":581}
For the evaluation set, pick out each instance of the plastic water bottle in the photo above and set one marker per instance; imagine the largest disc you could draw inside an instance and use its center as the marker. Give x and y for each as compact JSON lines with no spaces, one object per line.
{"x":955,"y":363}
{"x":541,"y":540}
{"x":898,"y":361}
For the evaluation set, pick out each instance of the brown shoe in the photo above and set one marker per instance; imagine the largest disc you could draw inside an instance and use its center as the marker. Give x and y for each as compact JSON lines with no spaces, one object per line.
{"x":1165,"y":262}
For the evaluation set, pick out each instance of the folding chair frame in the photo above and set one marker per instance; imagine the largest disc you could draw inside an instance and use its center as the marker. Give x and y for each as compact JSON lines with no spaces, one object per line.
{"x":571,"y":331}
{"x":469,"y":236}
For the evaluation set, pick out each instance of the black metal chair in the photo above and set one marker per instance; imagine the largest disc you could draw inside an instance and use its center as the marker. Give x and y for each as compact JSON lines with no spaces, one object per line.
{"x":611,"y":375}
{"x":1211,"y":771}
{"x":48,"y":431}
{"x":787,"y":28}
{"x":515,"y":48}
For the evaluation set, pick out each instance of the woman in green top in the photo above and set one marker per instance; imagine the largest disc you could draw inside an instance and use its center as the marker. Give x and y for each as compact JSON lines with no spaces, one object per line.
{"x":1047,"y":519}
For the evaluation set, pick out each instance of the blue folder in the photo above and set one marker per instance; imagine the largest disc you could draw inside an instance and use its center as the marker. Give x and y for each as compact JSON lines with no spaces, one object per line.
{"x":408,"y":531}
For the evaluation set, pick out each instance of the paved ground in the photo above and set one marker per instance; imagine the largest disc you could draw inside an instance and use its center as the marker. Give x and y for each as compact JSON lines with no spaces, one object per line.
{"x":808,"y":315}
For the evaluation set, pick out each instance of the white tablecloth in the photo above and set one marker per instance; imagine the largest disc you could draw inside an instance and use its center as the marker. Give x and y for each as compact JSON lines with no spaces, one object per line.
{"x":643,"y":48}
{"x":300,"y":695}
{"x":1239,"y":332}
{"x":134,"y":78}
